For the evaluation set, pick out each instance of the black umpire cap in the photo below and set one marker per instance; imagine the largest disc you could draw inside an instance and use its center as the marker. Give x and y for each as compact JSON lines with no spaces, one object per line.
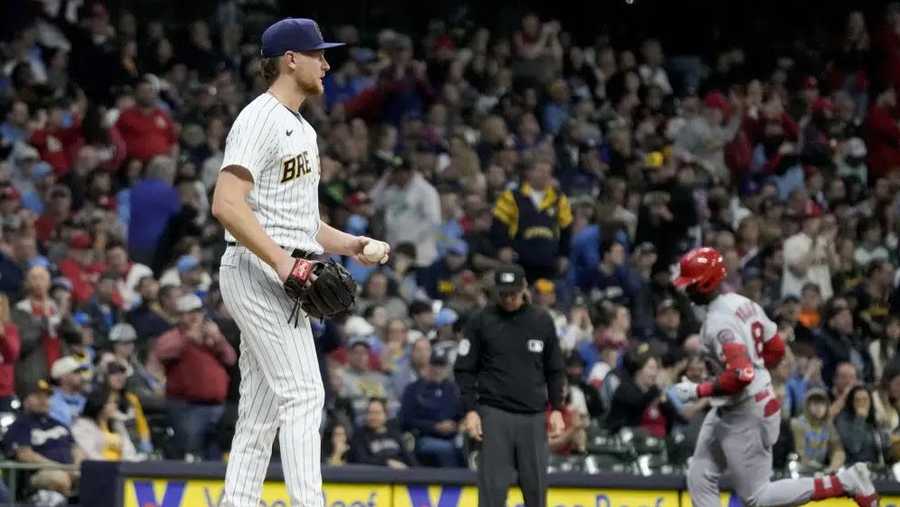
{"x":509,"y":278}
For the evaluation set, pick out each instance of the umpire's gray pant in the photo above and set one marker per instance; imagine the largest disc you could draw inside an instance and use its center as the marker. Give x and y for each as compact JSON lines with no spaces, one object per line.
{"x":512,"y":442}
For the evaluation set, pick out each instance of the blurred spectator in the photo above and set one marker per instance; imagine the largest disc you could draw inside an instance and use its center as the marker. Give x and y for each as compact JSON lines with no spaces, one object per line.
{"x":99,"y":434}
{"x":188,"y":274}
{"x":57,"y":210}
{"x":839,"y":341}
{"x":612,"y":280}
{"x":810,"y":305}
{"x":13,"y":264}
{"x":380,"y":289}
{"x":195,"y":407}
{"x":375,"y":443}
{"x":146,"y":129}
{"x":666,"y":338}
{"x":883,"y":349}
{"x":128,"y":409}
{"x":861,"y":437}
{"x":816,"y":441}
{"x":411,"y":208}
{"x":411,"y":367}
{"x":67,"y":402}
{"x":667,"y":211}
{"x":37,"y":318}
{"x":438,"y":279}
{"x":852,"y":165}
{"x":531,"y":223}
{"x":105,"y":307}
{"x":78,"y":338}
{"x":544,"y":294}
{"x":10,"y":345}
{"x":889,"y":398}
{"x":537,"y":49}
{"x":335,"y":445}
{"x":149,"y":389}
{"x":154,"y":201}
{"x":870,"y":245}
{"x":612,"y":326}
{"x":35,"y":437}
{"x":158,"y":311}
{"x":396,"y":346}
{"x":709,"y":128}
{"x":872,"y":296}
{"x":807,"y":259}
{"x":422,"y":314}
{"x":482,"y":253}
{"x":431,"y":408}
{"x":15,"y":126}
{"x":403,"y":83}
{"x":846,"y":377}
{"x":80,"y":267}
{"x":56,"y":137}
{"x":882,"y":131}
{"x":573,"y":439}
{"x":361,"y":383}
{"x":638,"y":401}
{"x":584,"y":396}
{"x":128,"y":274}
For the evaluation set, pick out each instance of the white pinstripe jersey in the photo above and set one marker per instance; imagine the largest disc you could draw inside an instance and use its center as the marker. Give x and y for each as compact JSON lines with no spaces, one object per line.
{"x":279,"y":149}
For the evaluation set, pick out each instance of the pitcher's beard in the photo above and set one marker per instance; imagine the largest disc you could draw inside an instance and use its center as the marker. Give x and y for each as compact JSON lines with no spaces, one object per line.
{"x":311,"y":89}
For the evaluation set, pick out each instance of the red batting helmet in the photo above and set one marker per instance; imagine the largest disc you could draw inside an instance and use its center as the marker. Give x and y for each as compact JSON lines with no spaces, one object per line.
{"x":702,"y":268}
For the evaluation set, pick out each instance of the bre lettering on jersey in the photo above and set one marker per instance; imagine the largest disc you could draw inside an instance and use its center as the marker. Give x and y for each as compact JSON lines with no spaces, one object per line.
{"x":295,"y":167}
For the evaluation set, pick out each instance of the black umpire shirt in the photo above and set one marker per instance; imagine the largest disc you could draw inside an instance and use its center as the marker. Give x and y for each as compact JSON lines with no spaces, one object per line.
{"x":510,"y":361}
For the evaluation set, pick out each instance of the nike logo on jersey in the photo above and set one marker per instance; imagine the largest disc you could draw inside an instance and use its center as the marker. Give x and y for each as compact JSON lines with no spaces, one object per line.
{"x":289,"y":132}
{"x":295,"y":167}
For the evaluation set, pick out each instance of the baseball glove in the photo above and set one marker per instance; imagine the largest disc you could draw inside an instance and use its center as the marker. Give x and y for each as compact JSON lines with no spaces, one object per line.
{"x":331,"y":294}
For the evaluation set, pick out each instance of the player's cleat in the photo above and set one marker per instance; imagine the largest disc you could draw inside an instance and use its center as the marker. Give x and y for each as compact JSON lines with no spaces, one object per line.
{"x":857,"y":482}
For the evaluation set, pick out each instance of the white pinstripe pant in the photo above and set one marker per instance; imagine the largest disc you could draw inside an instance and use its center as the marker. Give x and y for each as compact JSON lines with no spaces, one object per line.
{"x":281,"y":387}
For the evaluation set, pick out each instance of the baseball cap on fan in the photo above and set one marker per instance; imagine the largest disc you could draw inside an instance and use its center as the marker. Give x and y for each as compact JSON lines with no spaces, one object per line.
{"x":293,"y":34}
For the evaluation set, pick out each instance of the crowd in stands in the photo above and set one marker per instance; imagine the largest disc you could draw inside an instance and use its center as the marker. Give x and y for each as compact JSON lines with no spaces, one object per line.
{"x":592,"y":164}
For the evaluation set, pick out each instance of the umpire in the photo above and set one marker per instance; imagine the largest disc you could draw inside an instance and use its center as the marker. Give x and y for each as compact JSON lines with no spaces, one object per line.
{"x":508,"y":365}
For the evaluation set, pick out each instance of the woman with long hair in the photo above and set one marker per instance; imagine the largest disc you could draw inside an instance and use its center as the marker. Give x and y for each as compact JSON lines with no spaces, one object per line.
{"x":336,"y":444}
{"x":884,"y":348}
{"x":129,"y":410}
{"x":99,"y":434}
{"x":858,"y":428}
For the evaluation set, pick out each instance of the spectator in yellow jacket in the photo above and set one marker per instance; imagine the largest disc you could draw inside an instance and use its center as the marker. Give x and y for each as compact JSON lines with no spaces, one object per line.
{"x":532,"y":223}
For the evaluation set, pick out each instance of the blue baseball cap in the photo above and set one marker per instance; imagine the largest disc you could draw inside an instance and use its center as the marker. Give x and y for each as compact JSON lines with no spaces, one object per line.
{"x":293,"y":34}
{"x":445,"y":317}
{"x":186,"y":263}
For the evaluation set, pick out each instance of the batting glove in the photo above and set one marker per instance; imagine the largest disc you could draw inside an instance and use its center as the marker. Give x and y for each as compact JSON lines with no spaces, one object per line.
{"x":686,"y":390}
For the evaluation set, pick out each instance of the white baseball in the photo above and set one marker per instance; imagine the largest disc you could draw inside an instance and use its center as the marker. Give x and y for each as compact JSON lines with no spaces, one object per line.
{"x":374,"y":251}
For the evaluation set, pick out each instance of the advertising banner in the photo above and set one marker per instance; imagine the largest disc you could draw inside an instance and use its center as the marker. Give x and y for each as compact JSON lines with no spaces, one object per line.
{"x":467,"y":496}
{"x":148,"y":492}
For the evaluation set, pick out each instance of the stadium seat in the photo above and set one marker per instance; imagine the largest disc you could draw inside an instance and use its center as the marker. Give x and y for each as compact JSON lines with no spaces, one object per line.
{"x":557,"y":463}
{"x":599,"y":463}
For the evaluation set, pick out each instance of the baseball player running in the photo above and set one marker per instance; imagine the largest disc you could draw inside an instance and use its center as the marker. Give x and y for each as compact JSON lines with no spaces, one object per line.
{"x":738,"y":434}
{"x":266,"y":198}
